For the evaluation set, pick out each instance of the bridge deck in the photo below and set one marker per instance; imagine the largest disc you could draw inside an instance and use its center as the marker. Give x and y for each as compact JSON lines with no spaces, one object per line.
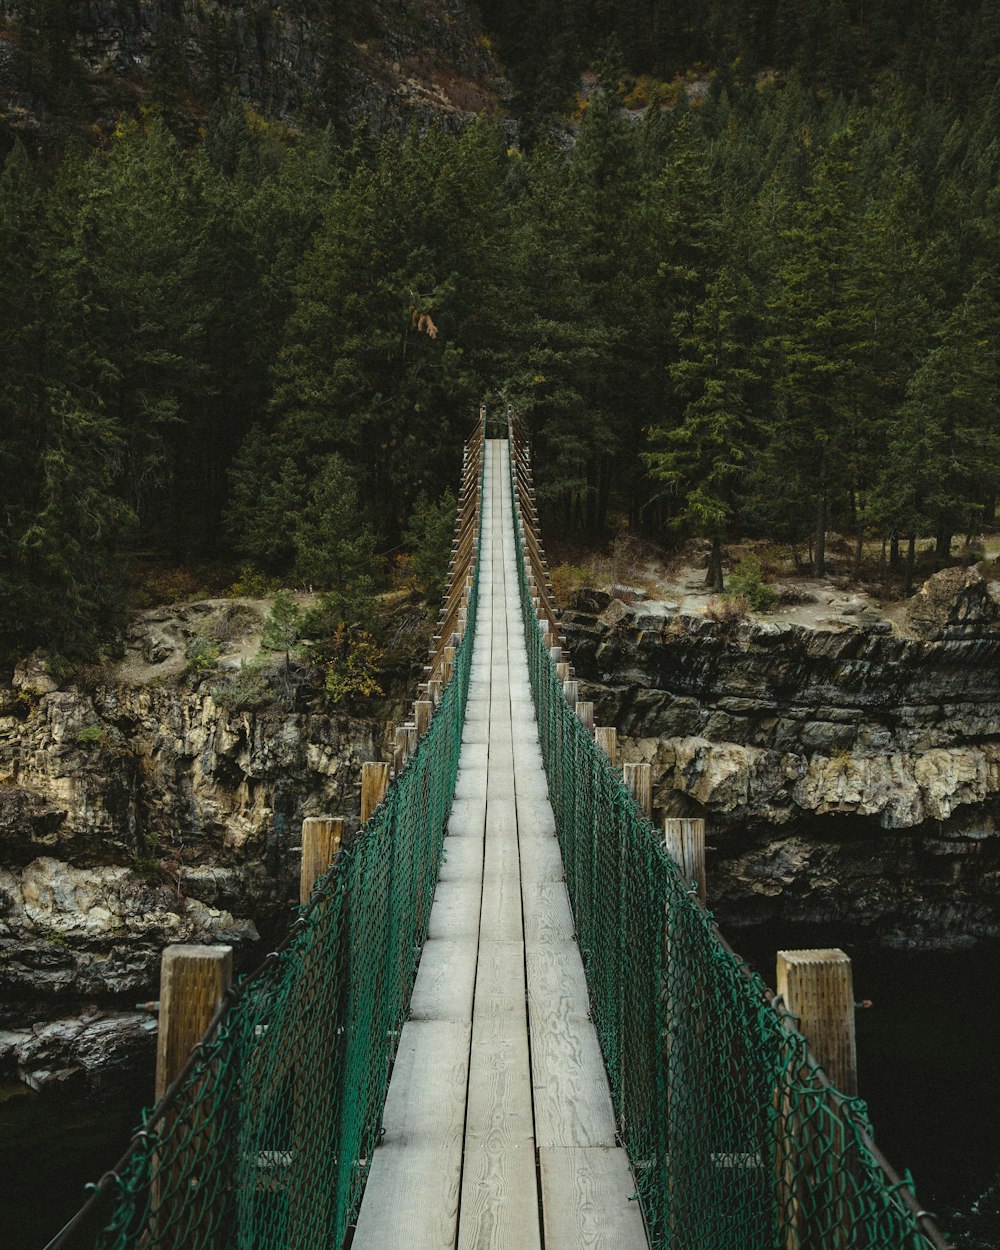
{"x":499,"y":1130}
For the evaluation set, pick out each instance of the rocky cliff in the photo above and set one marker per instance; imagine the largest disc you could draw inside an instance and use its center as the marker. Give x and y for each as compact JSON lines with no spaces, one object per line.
{"x":132,"y":816}
{"x":302,"y":61}
{"x":849,"y":776}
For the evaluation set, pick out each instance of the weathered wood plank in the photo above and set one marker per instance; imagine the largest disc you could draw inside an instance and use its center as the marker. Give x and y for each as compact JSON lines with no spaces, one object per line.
{"x":455,"y":913}
{"x":548,"y":916}
{"x":446,"y":980}
{"x":587,"y":1200}
{"x":556,"y":980}
{"x":462,"y":859}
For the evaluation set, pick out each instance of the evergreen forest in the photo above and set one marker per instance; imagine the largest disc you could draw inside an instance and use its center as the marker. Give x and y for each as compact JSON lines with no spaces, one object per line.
{"x":738,"y":276}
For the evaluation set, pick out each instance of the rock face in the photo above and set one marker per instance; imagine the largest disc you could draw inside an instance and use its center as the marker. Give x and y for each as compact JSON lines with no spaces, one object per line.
{"x":303,"y":60}
{"x":846,"y":775}
{"x":134,"y":816}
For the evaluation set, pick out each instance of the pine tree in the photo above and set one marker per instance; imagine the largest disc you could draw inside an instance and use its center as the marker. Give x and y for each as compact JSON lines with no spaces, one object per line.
{"x":702,"y":457}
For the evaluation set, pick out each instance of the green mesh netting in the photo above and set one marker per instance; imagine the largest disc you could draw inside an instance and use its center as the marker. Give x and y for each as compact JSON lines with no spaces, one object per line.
{"x":736,"y":1140}
{"x":267,"y":1141}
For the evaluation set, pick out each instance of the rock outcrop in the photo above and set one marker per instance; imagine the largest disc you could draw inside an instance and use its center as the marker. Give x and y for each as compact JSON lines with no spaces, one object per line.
{"x":849,"y":774}
{"x":133,"y":816}
{"x":301,"y":61}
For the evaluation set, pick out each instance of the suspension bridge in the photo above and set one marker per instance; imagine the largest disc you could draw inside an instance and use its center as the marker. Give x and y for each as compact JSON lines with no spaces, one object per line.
{"x":503,"y":1016}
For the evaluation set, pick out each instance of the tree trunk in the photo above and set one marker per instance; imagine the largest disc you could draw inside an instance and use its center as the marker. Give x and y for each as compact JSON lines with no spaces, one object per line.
{"x":942,"y":547}
{"x":881,"y":561}
{"x":894,"y":552}
{"x":715,"y":566}
{"x":819,"y":564}
{"x":911,"y":559}
{"x":859,"y":546}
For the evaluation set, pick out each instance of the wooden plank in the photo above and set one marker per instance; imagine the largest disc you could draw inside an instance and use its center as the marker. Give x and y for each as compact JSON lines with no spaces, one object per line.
{"x":471,"y":783}
{"x":556,"y":981}
{"x":548,"y":916}
{"x":467,"y":817}
{"x":446,"y":980}
{"x":456,"y":910}
{"x":588,"y":1200}
{"x":411,"y":1199}
{"x":541,"y":859}
{"x":462,"y":860}
{"x":499,"y":1197}
{"x":534,"y":819}
{"x":426,"y":1102}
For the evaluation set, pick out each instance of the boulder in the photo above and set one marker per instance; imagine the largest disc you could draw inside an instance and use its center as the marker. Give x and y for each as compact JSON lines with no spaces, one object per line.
{"x":955,"y":603}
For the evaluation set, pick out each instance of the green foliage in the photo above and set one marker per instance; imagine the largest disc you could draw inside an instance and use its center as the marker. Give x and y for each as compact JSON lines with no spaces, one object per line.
{"x":251,"y":583}
{"x":429,"y":534}
{"x":351,"y":666}
{"x":748,"y":588}
{"x":567,"y":579}
{"x":247,"y":689}
{"x":92,"y":735}
{"x":334,"y":548}
{"x":283,"y":626}
{"x":247,"y":346}
{"x":201,"y":655}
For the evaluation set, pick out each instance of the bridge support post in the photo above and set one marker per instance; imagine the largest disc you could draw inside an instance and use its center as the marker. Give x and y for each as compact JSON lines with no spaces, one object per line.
{"x":422,"y":710}
{"x":399,"y":749}
{"x":817,"y":988}
{"x":193,"y":983}
{"x":374,"y":784}
{"x":321,"y":838}
{"x":193,"y":980}
{"x":685,"y":844}
{"x":606,"y":737}
{"x":638,"y":780}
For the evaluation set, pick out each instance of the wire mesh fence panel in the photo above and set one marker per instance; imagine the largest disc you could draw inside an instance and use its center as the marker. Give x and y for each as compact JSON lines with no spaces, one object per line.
{"x":737,"y":1140}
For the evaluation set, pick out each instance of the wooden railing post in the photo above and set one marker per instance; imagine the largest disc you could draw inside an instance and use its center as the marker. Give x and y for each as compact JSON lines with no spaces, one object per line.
{"x":817,"y":988}
{"x":193,"y":981}
{"x":321,"y":839}
{"x":374,"y":784}
{"x":684,"y":841}
{"x":313,"y":1046}
{"x":585,"y":711}
{"x":571,"y":689}
{"x":638,"y":779}
{"x":606,"y":737}
{"x":422,"y":711}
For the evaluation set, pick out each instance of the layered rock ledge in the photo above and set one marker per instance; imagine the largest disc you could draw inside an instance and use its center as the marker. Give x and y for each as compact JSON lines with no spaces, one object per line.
{"x":848,"y":775}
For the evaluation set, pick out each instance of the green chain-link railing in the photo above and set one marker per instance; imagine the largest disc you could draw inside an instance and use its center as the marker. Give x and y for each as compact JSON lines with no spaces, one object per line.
{"x":266,"y":1140}
{"x":737,"y":1140}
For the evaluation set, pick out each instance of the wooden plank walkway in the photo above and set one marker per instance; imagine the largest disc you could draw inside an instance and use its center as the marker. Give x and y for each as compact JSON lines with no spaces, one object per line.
{"x":499,"y":1131}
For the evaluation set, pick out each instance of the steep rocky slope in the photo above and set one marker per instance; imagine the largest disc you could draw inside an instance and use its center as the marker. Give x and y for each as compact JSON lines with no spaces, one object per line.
{"x":849,"y":776}
{"x":135,"y":814}
{"x":304,"y":60}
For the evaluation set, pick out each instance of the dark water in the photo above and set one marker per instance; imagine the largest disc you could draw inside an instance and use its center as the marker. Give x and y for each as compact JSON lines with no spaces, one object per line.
{"x":927,"y":1056}
{"x":52,"y":1144}
{"x":929,"y":1069}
